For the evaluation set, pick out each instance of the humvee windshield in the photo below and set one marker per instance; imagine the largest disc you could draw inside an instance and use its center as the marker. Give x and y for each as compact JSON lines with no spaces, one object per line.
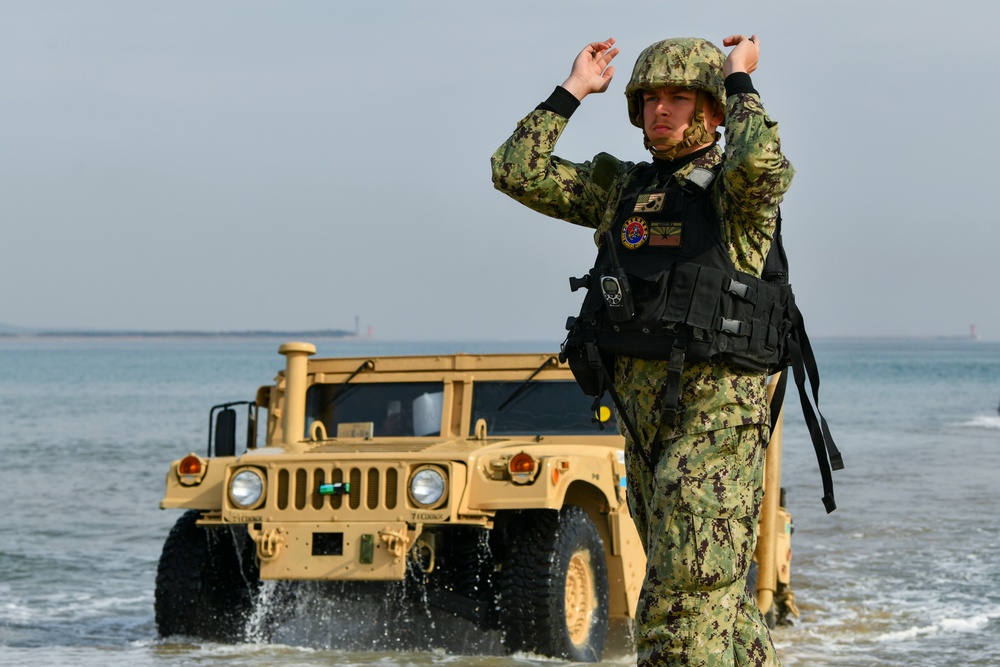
{"x":538,"y":408}
{"x":408,"y":409}
{"x":392,"y":408}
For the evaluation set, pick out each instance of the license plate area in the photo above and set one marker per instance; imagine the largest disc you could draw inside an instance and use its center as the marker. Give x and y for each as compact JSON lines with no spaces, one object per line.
{"x":328,"y":544}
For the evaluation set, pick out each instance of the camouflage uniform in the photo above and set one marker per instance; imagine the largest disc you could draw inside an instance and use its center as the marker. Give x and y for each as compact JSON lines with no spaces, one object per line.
{"x":697,"y":512}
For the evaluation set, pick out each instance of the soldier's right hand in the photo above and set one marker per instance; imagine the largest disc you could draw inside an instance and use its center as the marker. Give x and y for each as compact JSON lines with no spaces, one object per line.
{"x":592,"y":71}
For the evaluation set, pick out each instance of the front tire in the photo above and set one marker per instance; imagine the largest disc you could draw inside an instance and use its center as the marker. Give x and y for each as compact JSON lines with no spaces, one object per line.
{"x":206,"y":581}
{"x":554,"y":585}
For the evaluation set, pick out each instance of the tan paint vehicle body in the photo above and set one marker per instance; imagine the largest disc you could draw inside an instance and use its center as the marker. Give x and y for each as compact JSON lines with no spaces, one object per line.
{"x":338,"y":502}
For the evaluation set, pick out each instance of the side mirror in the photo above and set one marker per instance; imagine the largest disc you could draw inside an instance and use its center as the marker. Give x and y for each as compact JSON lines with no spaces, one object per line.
{"x":225,"y":432}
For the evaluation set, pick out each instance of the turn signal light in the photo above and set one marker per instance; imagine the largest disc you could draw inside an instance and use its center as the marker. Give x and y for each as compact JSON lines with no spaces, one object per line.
{"x":191,"y":470}
{"x":189,"y":465}
{"x":522,"y":464}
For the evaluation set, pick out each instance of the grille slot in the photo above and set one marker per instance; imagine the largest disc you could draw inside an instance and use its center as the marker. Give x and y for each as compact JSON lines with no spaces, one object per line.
{"x":355,"y":495}
{"x":301,"y":488}
{"x":319,"y":478}
{"x":337,"y":500}
{"x":372,"y":488}
{"x":391,"y":488}
{"x":282,"y":499}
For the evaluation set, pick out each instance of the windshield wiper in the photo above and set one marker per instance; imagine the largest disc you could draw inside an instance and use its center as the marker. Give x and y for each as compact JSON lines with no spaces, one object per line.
{"x":341,"y":392}
{"x":524,"y":385}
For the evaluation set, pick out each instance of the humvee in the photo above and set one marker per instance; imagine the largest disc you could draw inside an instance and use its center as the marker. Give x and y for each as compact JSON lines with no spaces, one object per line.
{"x":489,"y":481}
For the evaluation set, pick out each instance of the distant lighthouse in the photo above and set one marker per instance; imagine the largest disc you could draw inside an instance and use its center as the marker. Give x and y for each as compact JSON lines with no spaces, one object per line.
{"x":972,"y":332}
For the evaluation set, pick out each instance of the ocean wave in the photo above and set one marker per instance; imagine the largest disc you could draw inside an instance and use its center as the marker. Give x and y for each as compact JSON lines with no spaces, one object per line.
{"x":946,"y":625}
{"x":19,"y":610}
{"x":991,"y":422}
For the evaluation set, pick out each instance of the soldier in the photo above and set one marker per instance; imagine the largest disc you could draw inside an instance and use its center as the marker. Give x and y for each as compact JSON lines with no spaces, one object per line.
{"x":695,"y":448}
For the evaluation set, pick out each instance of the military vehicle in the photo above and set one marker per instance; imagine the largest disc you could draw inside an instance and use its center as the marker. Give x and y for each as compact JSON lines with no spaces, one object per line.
{"x":489,"y":481}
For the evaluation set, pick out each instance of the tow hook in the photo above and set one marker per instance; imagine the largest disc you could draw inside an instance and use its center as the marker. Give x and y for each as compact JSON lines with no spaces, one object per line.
{"x":269,"y":543}
{"x":397,"y":542}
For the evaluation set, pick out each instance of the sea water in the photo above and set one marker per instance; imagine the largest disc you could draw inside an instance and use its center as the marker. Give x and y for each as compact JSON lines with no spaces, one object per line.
{"x":905,"y":572}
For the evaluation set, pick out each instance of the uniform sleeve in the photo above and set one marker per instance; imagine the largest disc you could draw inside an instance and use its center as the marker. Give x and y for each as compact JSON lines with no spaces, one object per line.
{"x":755,"y":177}
{"x":525,"y":169}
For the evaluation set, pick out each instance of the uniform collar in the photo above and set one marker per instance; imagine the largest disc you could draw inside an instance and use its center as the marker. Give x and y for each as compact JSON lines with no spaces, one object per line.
{"x":707,"y":160}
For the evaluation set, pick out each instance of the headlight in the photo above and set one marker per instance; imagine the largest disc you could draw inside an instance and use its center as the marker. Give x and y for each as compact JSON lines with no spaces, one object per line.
{"x":427,"y":487}
{"x":246,"y":488}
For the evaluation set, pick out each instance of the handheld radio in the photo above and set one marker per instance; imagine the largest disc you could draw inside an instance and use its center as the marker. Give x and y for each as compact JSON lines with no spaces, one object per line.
{"x":615,"y":287}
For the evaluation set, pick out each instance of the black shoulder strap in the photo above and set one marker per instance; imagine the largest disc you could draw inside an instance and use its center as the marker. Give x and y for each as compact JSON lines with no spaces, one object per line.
{"x":776,"y":263}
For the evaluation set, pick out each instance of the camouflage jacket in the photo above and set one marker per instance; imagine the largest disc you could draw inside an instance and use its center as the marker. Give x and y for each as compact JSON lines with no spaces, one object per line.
{"x":753,"y":180}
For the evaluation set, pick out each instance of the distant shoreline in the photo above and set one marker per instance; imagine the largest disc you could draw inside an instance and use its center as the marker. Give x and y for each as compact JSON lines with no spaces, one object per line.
{"x":323,"y":334}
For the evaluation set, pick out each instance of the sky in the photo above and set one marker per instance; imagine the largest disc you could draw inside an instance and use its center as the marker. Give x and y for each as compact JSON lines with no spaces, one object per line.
{"x":300,"y":165}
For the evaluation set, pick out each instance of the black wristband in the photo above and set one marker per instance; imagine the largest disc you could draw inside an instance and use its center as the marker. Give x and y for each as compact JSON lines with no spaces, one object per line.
{"x":561,"y":101}
{"x":739,"y":82}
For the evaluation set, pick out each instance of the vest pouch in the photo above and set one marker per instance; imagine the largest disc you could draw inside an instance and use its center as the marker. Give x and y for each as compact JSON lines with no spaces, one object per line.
{"x":649,"y":297}
{"x":648,"y":335}
{"x":694,"y":296}
{"x":581,"y":332}
{"x":588,"y":377}
{"x":759,"y":345}
{"x":769,"y":320}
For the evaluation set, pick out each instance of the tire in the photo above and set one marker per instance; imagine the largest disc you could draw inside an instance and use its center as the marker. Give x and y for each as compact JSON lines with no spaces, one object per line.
{"x":206,"y":582}
{"x":463,"y":581}
{"x":554,"y":586}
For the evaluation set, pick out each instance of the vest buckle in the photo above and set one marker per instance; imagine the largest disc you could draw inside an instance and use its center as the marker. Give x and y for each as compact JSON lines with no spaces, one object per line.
{"x":741,"y":290}
{"x":734,"y":327}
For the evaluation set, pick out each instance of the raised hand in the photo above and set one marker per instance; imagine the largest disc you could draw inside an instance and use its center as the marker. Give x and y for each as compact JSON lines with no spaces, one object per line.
{"x":744,"y":57}
{"x":592,"y":71}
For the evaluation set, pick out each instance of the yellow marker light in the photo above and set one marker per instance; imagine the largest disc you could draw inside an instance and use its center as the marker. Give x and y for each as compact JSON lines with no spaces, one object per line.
{"x":603,"y":413}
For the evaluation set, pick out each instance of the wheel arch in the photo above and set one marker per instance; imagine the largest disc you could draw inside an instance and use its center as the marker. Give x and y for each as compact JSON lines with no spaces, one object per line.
{"x":623,"y":554}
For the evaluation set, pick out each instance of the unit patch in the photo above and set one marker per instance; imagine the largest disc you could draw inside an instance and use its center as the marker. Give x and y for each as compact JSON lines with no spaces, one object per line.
{"x":666,"y":234}
{"x":634,"y":232}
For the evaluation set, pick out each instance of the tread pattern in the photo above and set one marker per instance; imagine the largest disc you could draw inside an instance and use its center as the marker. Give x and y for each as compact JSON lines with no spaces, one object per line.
{"x":532,"y":591}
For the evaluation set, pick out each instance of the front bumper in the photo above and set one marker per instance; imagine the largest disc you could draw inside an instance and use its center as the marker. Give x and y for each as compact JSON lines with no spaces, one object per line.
{"x":333,"y":550}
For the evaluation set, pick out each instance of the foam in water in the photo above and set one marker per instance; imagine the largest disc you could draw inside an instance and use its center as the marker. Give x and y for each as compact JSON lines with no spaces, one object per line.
{"x":971,"y":624}
{"x":991,"y":422}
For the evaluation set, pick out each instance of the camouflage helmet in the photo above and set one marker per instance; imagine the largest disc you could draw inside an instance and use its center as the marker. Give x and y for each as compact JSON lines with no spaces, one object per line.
{"x":686,"y":62}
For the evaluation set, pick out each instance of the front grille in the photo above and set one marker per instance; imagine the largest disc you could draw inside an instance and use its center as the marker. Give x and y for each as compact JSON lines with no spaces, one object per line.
{"x":373,"y":487}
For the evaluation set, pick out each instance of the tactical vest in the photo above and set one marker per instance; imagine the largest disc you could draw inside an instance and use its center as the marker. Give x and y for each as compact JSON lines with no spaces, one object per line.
{"x":664,"y":287}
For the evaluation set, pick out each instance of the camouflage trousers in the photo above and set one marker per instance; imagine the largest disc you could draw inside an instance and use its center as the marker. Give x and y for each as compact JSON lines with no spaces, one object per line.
{"x":696,"y":514}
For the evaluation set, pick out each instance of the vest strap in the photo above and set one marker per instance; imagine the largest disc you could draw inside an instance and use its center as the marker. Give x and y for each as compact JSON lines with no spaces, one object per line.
{"x":606,"y":383}
{"x":803,"y":363}
{"x":672,"y":385}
